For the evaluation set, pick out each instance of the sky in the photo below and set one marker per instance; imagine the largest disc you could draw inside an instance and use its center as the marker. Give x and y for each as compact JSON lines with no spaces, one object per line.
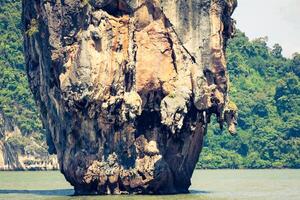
{"x":279,"y":20}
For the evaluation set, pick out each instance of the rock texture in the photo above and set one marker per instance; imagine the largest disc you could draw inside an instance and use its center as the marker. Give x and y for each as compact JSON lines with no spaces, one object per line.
{"x":127,"y":88}
{"x":22,"y":152}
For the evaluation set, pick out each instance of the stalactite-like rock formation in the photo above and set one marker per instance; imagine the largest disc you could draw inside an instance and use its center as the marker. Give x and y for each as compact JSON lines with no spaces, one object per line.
{"x":126,"y":88}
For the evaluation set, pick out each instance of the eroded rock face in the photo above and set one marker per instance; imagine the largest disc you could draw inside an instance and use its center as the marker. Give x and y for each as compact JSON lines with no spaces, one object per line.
{"x":127,"y":88}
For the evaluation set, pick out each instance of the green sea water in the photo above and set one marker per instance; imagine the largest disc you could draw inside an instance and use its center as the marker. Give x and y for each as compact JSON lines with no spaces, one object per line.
{"x":206,"y":185}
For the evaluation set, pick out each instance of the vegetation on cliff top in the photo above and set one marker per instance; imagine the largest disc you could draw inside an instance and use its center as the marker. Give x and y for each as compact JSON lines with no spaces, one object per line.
{"x":264,"y":85}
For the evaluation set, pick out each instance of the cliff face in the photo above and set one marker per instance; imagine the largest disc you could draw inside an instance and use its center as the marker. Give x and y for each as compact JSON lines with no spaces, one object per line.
{"x":127,"y":88}
{"x":22,"y":152}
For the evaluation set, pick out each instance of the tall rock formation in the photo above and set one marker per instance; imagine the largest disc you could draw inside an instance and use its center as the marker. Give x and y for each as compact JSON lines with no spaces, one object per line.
{"x":126,"y":88}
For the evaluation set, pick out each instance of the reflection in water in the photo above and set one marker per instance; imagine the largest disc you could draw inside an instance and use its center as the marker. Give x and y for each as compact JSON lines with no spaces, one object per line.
{"x":70,"y":192}
{"x":66,"y":194}
{"x":58,"y":192}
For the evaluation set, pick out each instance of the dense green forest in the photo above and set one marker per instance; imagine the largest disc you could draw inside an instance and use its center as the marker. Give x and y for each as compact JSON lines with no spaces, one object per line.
{"x":264,"y":84}
{"x":16,"y":101}
{"x":266,"y":88}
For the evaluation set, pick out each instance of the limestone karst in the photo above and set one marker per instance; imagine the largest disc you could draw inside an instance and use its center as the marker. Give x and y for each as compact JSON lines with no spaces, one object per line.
{"x":126,"y":88}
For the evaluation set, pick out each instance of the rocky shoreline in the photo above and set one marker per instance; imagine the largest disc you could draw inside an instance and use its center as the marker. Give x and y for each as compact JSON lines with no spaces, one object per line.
{"x":13,"y":160}
{"x":22,"y":151}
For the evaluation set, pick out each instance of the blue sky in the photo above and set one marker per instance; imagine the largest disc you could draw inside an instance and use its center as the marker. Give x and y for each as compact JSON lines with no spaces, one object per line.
{"x":277,"y":19}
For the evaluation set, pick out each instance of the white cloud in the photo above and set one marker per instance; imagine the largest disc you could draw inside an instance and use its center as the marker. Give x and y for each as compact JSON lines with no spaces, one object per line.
{"x":277,"y":19}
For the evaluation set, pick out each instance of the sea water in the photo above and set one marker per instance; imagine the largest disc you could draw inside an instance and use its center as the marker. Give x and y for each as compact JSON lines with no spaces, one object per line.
{"x":206,"y":185}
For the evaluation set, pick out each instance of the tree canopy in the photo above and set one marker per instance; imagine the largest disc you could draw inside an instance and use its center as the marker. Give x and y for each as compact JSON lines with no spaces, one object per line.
{"x":265,"y":86}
